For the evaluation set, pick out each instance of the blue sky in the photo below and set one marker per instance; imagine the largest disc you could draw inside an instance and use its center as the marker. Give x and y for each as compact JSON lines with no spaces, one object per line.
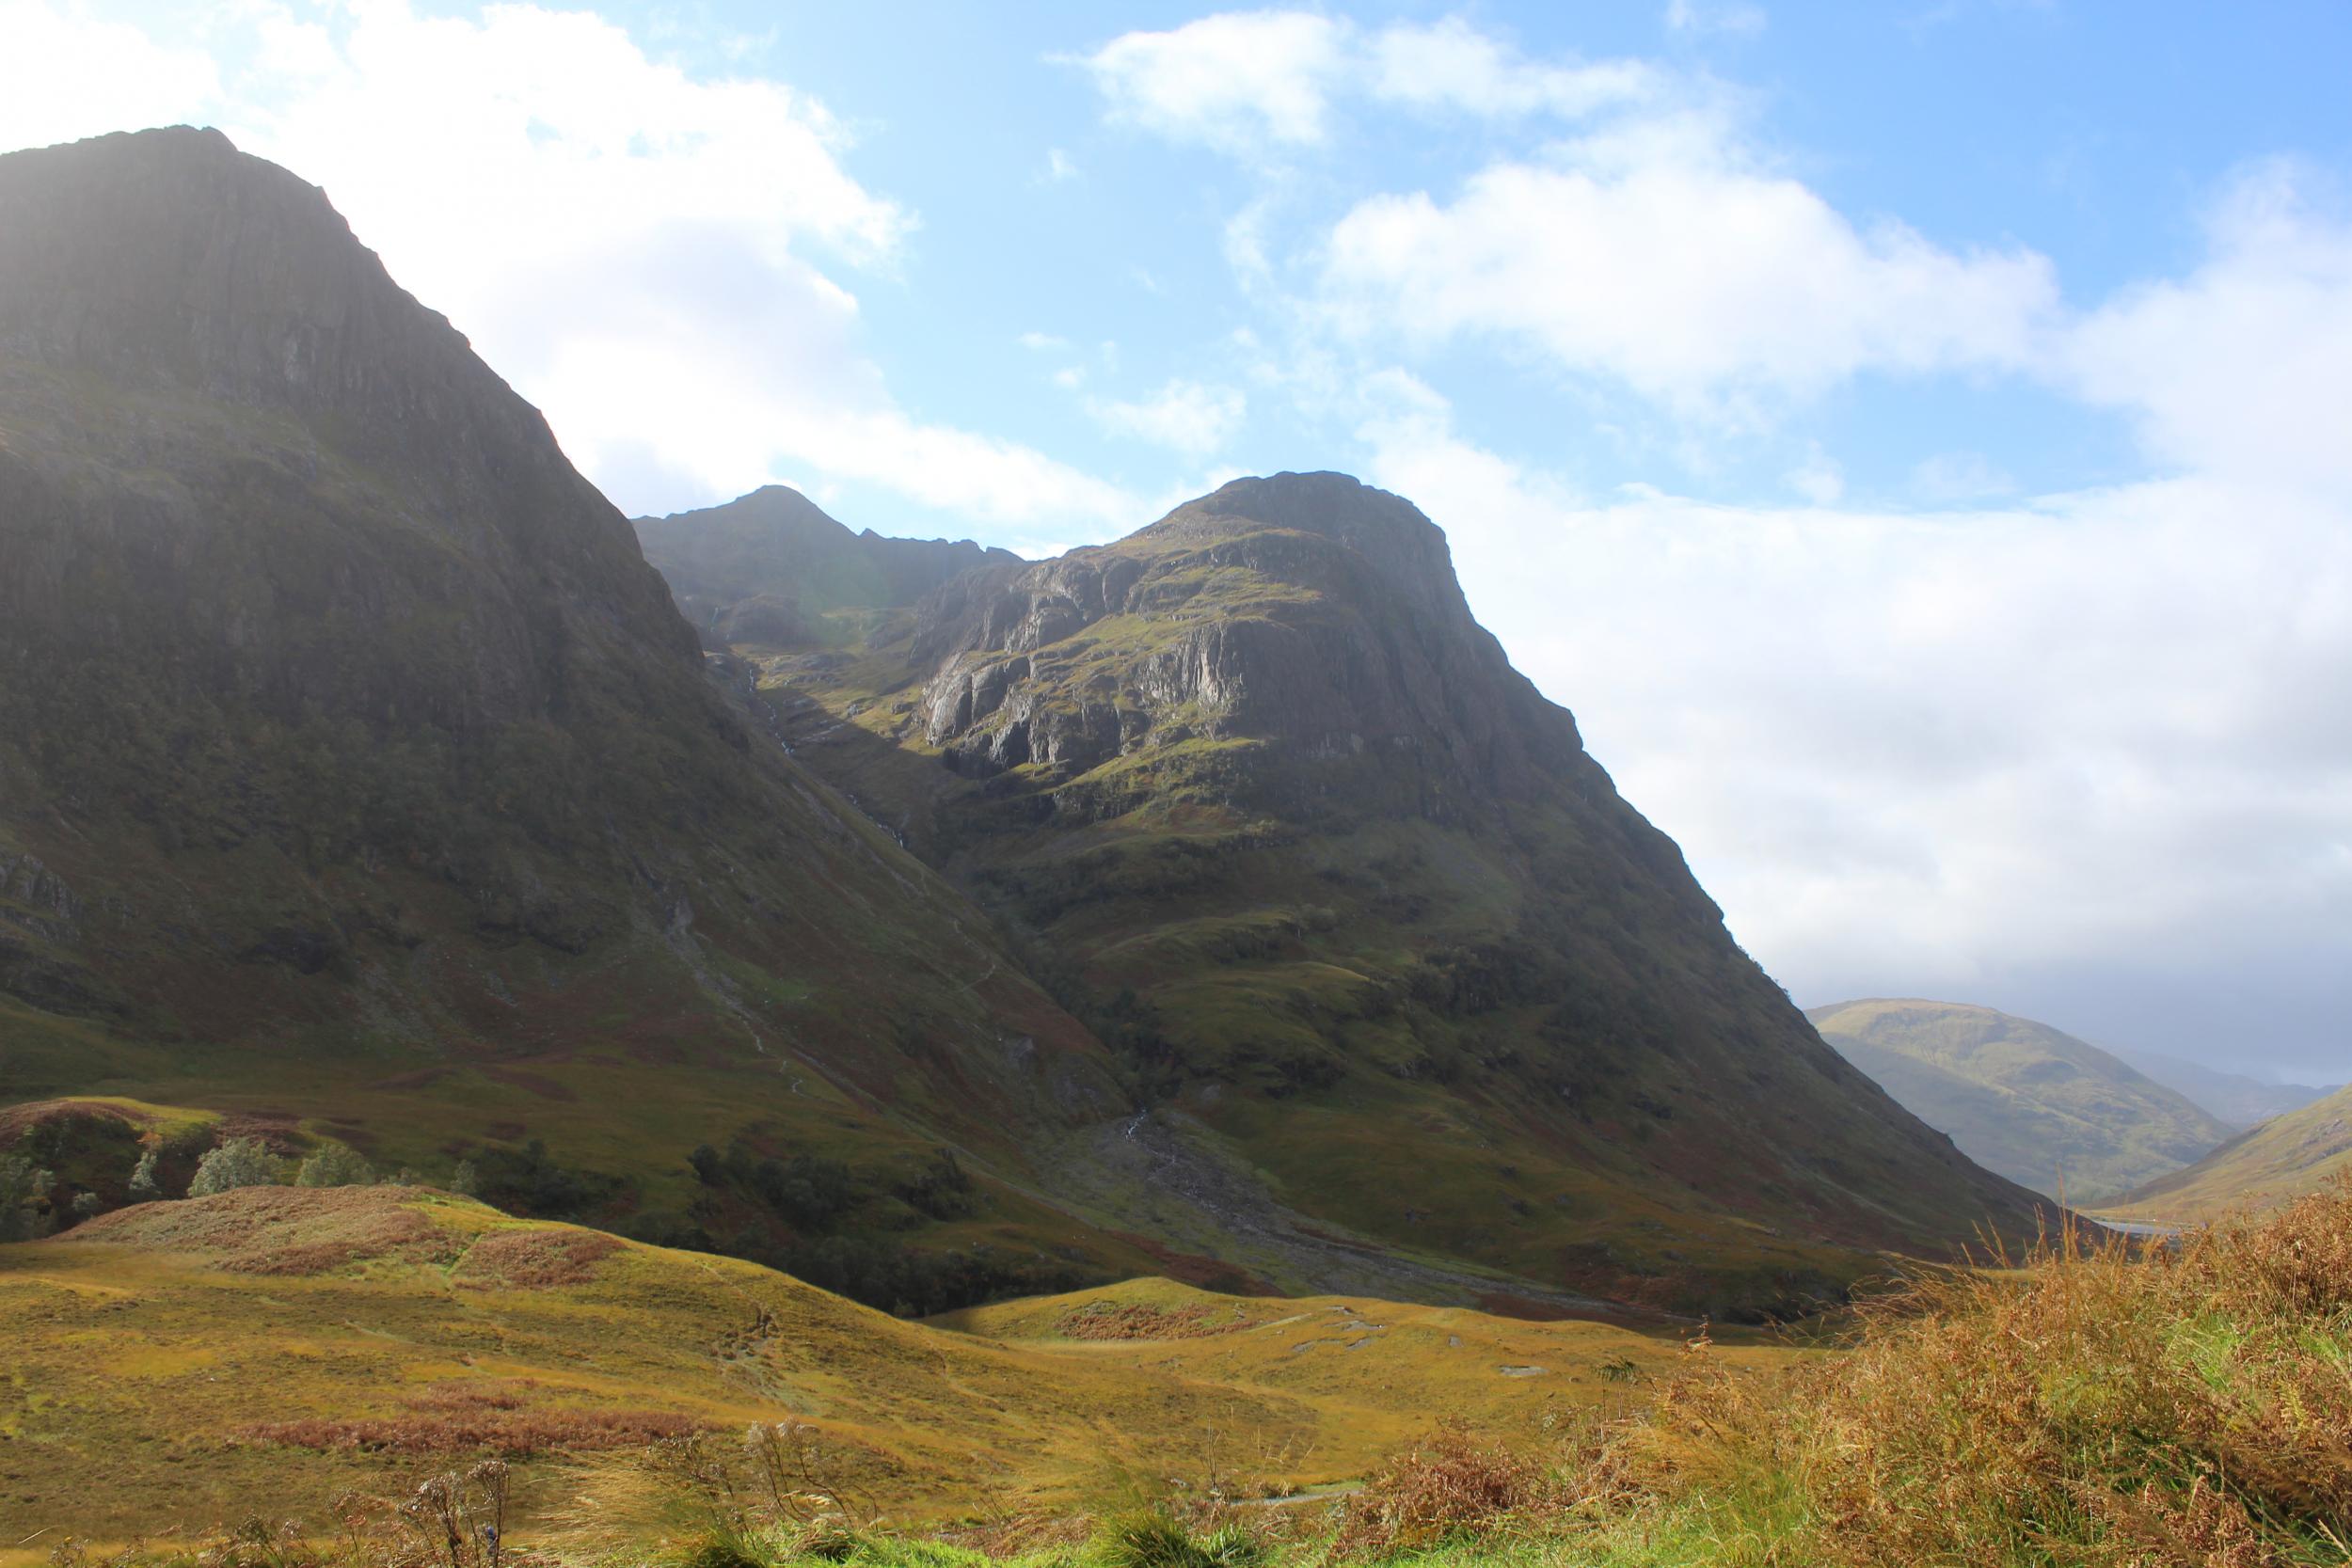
{"x":1912,"y":437}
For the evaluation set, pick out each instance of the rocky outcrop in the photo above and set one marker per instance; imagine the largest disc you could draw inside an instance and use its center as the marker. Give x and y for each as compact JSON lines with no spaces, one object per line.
{"x":1308,"y":611}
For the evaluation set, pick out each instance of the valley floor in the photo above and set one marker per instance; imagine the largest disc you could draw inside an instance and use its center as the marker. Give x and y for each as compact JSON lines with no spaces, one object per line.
{"x":2113,"y":1405}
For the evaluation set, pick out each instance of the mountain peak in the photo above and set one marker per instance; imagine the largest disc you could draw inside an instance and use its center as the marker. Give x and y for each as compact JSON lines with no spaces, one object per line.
{"x":769,"y":567}
{"x":170,"y":255}
{"x":1311,"y":613}
{"x":1390,"y":532}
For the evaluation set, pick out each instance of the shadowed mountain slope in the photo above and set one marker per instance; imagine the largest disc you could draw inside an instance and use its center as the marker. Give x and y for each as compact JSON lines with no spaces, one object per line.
{"x":2262,"y":1167}
{"x":772,"y":568}
{"x":356,"y":768}
{"x":1272,"y":811}
{"x":2041,"y":1107}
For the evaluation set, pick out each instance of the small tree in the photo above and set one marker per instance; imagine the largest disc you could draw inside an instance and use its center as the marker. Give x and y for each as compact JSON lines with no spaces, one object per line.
{"x":21,"y":1184}
{"x":466,"y":1181}
{"x":146,"y":1187}
{"x":86,"y":1205}
{"x":239,"y":1162}
{"x":335,"y":1164}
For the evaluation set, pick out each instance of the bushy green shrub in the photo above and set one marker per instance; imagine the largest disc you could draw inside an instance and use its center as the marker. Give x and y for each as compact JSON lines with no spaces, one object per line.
{"x":146,"y":1185}
{"x":239,"y":1162}
{"x":335,"y":1164}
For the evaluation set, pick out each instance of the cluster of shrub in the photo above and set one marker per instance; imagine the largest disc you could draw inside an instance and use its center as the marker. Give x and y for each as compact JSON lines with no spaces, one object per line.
{"x":34,"y":1202}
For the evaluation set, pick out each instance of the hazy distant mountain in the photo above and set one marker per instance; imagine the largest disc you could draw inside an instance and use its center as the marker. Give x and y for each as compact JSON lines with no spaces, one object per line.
{"x":2237,"y":1099}
{"x":772,"y":569}
{"x":2284,"y":1158}
{"x":2020,"y":1098}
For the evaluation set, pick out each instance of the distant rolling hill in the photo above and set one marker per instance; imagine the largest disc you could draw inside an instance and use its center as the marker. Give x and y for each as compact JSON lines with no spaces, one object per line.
{"x":2267,"y":1165}
{"x":2240,"y":1101}
{"x":2040,"y":1107}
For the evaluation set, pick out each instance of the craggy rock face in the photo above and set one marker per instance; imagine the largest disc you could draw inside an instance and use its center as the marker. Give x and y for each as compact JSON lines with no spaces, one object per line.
{"x":1306,"y":611}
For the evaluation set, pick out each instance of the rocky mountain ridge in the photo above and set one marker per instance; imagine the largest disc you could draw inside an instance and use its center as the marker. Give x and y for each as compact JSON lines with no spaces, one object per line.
{"x":1366,"y":657}
{"x":1264,"y":805}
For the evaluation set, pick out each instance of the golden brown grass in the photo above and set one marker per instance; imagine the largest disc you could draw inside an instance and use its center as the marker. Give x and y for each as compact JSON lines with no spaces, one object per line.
{"x":2108,"y":1404}
{"x":2095,"y":1404}
{"x":205,"y":1356}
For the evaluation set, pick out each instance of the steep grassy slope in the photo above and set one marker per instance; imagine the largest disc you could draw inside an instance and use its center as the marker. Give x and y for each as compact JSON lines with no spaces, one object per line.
{"x":2234,"y":1099}
{"x":358,"y":774}
{"x":2281,"y":1159}
{"x":2040,"y":1107}
{"x":180,"y":1363}
{"x":771,"y":568}
{"x":1275,"y":815}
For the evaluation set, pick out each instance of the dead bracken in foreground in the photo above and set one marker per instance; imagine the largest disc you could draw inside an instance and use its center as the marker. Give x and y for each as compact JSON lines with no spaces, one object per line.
{"x":2108,"y":1405}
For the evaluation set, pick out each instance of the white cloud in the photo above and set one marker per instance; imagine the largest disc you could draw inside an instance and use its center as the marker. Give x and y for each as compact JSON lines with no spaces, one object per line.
{"x":1235,"y":81}
{"x":1959,"y":476}
{"x":1258,"y":83}
{"x":65,"y":75}
{"x":1694,"y":19}
{"x":2241,"y":367}
{"x":1183,"y":415}
{"x":1057,"y":167}
{"x":1818,"y":478}
{"x":650,"y":256}
{"x":1677,"y":271}
{"x":1452,"y":65}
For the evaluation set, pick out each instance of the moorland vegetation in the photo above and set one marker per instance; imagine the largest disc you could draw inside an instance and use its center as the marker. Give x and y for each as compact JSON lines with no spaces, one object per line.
{"x":2102,"y":1402}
